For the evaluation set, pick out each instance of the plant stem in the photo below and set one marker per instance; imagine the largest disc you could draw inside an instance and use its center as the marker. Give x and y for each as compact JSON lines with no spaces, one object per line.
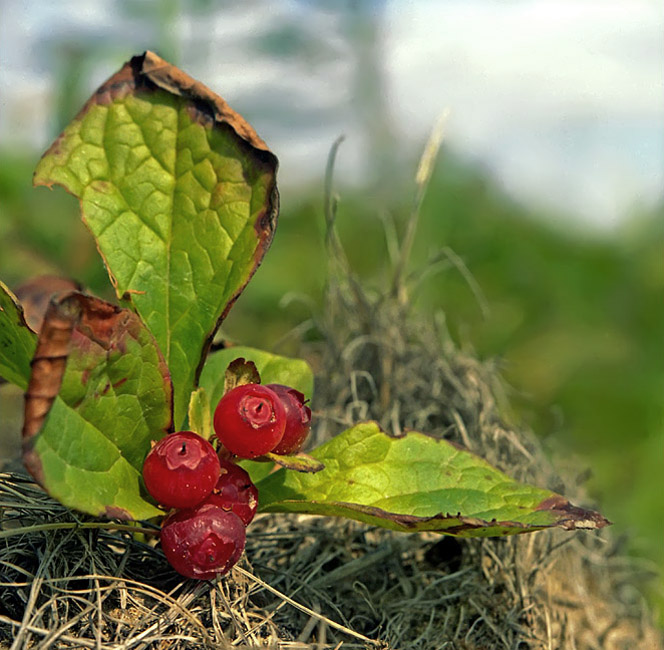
{"x":68,"y":525}
{"x":424,"y":171}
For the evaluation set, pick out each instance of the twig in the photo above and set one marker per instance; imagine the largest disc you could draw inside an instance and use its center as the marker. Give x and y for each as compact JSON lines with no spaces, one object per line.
{"x":75,"y":641}
{"x":330,"y":205}
{"x":306,"y":610}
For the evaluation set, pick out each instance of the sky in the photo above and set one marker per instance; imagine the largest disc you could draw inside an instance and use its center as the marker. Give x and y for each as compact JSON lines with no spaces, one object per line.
{"x":562,"y":102}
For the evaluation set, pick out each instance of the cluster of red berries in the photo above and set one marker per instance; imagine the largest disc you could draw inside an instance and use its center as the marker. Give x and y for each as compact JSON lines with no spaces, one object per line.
{"x":214,"y":500}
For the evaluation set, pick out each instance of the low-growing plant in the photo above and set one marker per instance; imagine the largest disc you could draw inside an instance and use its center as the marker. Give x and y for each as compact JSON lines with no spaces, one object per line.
{"x":180,"y":195}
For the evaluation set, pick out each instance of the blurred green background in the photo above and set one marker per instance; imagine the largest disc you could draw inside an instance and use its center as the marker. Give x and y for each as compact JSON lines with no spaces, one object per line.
{"x":575,"y":316}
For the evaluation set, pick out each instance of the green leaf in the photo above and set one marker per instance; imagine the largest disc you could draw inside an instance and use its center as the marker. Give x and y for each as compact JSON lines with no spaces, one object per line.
{"x":102,"y":372}
{"x":272,"y":368}
{"x":17,"y":341}
{"x":240,"y":372}
{"x":256,"y":469}
{"x":200,"y":417}
{"x":180,"y":195}
{"x":417,"y":483}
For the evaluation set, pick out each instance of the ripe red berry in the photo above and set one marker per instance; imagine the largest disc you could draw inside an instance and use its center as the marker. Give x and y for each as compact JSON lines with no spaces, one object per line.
{"x":181,"y":470}
{"x":203,"y":542}
{"x":298,"y":419}
{"x":250,"y":420}
{"x":235,"y":492}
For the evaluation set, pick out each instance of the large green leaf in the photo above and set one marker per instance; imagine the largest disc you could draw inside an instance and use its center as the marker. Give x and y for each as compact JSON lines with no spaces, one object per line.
{"x":180,"y":195}
{"x":417,"y":483}
{"x":272,"y":368}
{"x":98,"y":395}
{"x":17,"y":341}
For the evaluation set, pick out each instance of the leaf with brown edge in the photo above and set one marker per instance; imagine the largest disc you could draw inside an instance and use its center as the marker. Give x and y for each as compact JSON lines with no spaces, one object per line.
{"x":98,"y":395}
{"x":239,"y":373}
{"x":180,"y":195}
{"x":36,"y":293}
{"x":418,"y":483}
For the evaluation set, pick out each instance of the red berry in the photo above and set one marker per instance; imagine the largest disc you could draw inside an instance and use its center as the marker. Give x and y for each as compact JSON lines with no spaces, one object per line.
{"x":235,"y":492}
{"x":181,"y":470}
{"x":250,"y":420}
{"x":298,"y":419}
{"x":203,"y":542}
